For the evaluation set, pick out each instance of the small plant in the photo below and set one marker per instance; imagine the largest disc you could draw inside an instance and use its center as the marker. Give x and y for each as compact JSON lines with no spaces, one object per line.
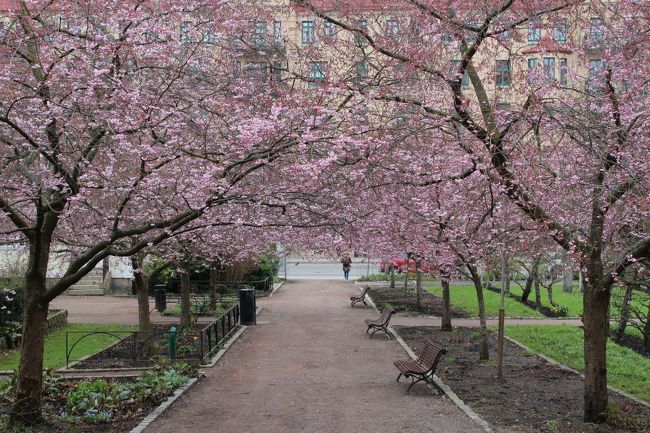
{"x":475,"y":336}
{"x":560,"y":311}
{"x":553,"y":426}
{"x":451,"y":360}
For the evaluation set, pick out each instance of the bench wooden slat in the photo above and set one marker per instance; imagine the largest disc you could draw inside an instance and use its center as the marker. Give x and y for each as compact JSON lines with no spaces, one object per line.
{"x":423,"y":368}
{"x":361,"y":298}
{"x":380,"y":324}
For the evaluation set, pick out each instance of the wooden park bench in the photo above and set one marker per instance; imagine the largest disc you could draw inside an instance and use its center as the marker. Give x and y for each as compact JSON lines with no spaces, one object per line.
{"x":423,"y":368}
{"x":380,"y":324}
{"x":360,"y":298}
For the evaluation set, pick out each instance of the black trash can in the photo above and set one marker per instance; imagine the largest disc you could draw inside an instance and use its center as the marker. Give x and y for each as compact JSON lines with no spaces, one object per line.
{"x":247,"y":306}
{"x":160,"y":294}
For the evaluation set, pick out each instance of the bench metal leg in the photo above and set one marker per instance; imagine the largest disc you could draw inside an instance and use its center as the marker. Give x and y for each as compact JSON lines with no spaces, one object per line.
{"x":413,"y":382}
{"x":398,"y":377}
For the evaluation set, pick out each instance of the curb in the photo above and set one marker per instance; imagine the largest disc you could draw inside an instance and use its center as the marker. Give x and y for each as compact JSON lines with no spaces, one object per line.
{"x":567,"y":368}
{"x":276,"y":288}
{"x":448,"y":391}
{"x":163,"y":406}
{"x":180,"y":391}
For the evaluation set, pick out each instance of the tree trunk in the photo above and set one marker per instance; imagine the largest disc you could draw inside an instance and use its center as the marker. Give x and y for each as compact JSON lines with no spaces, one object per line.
{"x":214,"y":278}
{"x":27,"y":408}
{"x":418,"y":285}
{"x":484,"y":353}
{"x":567,"y":280}
{"x":186,"y":307}
{"x":527,"y":288}
{"x":505,"y":273}
{"x":446,"y":311}
{"x":406,"y":280}
{"x":549,"y":289}
{"x":625,"y":313}
{"x":392,"y":277}
{"x":595,"y":304}
{"x":646,"y":332}
{"x":145,"y":329}
{"x":538,"y":294}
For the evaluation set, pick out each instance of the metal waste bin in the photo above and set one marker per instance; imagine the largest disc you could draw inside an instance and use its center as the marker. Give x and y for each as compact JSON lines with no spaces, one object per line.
{"x":247,"y":306}
{"x":160,"y":294}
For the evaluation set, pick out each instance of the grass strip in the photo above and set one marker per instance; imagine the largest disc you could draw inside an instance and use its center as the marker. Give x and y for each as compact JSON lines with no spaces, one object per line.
{"x":54,"y":356}
{"x":626,"y":369}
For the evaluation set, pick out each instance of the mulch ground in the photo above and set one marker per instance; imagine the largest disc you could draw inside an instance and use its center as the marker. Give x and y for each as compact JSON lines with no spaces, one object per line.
{"x":54,"y":405}
{"x":534,"y":396}
{"x":404,"y":301}
{"x":121,"y":355}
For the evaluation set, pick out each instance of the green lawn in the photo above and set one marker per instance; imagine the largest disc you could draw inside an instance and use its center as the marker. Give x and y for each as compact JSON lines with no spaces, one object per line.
{"x":573,"y":300}
{"x":626,"y":369}
{"x":464,"y":297}
{"x":55,"y":344}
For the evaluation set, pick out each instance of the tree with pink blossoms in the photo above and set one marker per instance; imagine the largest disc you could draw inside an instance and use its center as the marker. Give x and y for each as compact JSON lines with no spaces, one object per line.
{"x":567,"y":145}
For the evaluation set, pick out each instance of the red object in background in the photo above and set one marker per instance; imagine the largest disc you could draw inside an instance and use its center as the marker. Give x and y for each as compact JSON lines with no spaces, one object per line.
{"x":399,"y":263}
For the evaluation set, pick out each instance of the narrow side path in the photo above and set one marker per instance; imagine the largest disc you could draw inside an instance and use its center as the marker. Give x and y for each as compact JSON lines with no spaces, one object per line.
{"x":309,"y":367}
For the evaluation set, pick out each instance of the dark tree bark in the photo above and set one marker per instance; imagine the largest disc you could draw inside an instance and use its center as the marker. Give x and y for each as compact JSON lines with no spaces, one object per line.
{"x":484,"y":353}
{"x":214,"y":278}
{"x":186,"y":307}
{"x":446,"y":311}
{"x":418,"y":284}
{"x":145,"y":328}
{"x":624,"y":319}
{"x":392,"y":277}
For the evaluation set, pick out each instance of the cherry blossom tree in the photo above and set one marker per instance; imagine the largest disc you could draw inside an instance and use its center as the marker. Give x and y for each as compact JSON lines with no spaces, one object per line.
{"x":566,"y":144}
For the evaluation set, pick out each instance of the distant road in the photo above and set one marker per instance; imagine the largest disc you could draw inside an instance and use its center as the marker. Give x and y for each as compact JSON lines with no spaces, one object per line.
{"x":323,"y":269}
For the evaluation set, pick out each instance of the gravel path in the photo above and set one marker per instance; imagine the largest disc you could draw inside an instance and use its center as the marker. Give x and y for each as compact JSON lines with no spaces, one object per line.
{"x":309,"y":367}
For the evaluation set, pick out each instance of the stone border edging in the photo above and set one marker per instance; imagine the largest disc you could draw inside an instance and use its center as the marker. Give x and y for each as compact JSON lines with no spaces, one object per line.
{"x":180,"y":391}
{"x":163,"y":406}
{"x":567,"y":368}
{"x":446,"y":389}
{"x":276,"y":288}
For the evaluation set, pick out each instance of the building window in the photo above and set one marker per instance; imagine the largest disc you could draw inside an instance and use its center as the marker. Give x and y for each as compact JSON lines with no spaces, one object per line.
{"x":532,"y":65}
{"x":534,"y":31}
{"x":560,"y":30}
{"x":596,"y":80}
{"x":359,"y":39}
{"x":549,"y":68}
{"x":596,"y":30}
{"x":361,"y":68}
{"x":503,"y":73}
{"x":256,"y":70}
{"x":392,"y":28}
{"x":307,"y":32}
{"x":277,"y":32}
{"x":455,"y":69}
{"x":330,"y":30}
{"x":316,"y":74}
{"x":564,"y":72}
{"x":185,"y":33}
{"x":260,"y":32}
{"x":471,"y":34}
{"x":276,"y":71}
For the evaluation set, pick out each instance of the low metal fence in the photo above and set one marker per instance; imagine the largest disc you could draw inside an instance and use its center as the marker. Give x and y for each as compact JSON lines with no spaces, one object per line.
{"x":210,"y":337}
{"x":129,"y":350}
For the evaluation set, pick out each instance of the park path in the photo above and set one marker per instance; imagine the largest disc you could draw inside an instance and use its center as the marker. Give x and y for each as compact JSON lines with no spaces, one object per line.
{"x":308,"y":366}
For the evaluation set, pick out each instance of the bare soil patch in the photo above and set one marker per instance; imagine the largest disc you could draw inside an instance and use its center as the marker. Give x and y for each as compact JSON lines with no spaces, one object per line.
{"x":403,"y":301}
{"x":121,"y":354}
{"x":534,"y":396}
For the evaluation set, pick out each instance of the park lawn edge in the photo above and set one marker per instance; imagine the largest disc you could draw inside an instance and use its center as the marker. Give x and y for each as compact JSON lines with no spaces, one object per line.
{"x":54,"y":356}
{"x":627,"y":370}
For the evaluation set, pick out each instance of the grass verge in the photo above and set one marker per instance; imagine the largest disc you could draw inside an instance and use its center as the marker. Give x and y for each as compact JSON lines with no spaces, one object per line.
{"x":626,"y":369}
{"x":54,"y":356}
{"x":464,"y":297}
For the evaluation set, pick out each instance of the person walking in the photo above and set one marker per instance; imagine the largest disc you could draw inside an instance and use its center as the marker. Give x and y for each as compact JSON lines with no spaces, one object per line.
{"x":347,"y":264}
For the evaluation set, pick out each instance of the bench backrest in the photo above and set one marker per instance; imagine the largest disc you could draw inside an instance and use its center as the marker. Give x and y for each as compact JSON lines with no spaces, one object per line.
{"x":431,"y":354}
{"x":385,"y":315}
